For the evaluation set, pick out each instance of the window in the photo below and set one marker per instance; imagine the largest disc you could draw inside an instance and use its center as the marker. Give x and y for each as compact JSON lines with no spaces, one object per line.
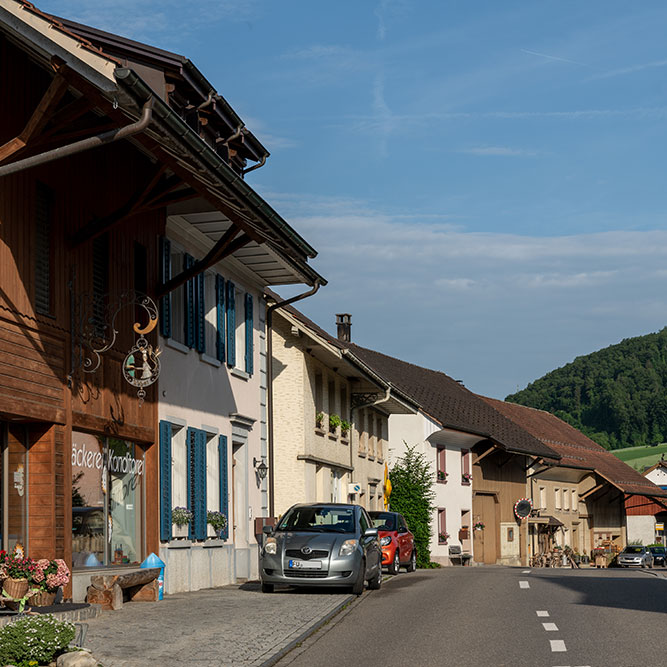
{"x":107,"y":501}
{"x":343,"y":404}
{"x":566,"y":499}
{"x":43,"y":258}
{"x":575,"y":501}
{"x":100,"y":259}
{"x":443,"y":535}
{"x":510,"y":534}
{"x":193,"y":474}
{"x":380,"y":434}
{"x":466,"y":475}
{"x":319,"y":398}
{"x":363,"y":434}
{"x":372,"y":438}
{"x":201,"y":314}
{"x":543,"y":498}
{"x":441,"y":464}
{"x":557,"y":499}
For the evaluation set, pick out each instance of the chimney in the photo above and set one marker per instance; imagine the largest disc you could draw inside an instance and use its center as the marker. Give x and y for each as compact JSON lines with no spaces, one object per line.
{"x":343,"y":326}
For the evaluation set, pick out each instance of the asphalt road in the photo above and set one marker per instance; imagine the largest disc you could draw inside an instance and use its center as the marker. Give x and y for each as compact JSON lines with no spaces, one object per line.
{"x":479,"y":616}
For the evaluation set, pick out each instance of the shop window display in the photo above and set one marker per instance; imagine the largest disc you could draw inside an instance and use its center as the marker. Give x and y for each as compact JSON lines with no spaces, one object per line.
{"x":107,"y":501}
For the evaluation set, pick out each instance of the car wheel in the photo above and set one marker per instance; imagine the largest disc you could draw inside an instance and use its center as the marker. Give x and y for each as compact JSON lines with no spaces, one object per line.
{"x":375,"y":583}
{"x":396,"y":564}
{"x":412,"y":565}
{"x":650,"y":565}
{"x":267,"y":588}
{"x":358,"y":585}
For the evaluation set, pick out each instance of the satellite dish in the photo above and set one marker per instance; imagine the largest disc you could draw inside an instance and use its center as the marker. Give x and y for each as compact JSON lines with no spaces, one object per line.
{"x":522,"y":508}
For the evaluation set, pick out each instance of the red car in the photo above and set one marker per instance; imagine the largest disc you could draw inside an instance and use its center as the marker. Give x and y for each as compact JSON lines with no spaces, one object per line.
{"x":396,"y":540}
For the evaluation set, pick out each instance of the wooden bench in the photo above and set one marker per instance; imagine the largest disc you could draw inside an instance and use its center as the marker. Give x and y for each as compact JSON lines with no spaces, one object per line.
{"x":455,"y":553}
{"x":111,"y":590}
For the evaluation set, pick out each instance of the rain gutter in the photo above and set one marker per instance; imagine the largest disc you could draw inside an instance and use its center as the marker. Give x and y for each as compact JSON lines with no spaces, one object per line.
{"x":140,"y":92}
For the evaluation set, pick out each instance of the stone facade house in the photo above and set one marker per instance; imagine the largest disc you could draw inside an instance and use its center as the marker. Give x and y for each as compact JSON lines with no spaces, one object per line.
{"x":331,"y":413}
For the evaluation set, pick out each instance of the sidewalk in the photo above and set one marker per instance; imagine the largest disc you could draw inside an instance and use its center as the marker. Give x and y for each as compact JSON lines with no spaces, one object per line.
{"x":234,"y":625}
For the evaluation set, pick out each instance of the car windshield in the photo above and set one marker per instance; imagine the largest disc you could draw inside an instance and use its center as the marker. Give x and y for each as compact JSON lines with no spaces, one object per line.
{"x":319,"y":520}
{"x":384,"y":520}
{"x":634,"y":550}
{"x":658,"y":550}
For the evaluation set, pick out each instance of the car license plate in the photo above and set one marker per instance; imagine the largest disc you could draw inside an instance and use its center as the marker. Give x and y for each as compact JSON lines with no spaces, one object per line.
{"x":305,"y":564}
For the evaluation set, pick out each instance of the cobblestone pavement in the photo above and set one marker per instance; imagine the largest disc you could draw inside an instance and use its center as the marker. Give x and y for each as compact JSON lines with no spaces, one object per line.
{"x":234,"y":625}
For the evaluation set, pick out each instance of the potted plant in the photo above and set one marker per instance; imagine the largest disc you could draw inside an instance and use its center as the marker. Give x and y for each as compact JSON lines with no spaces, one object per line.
{"x":345,"y":428}
{"x":478,"y":525}
{"x":181,"y":518}
{"x":319,"y":419}
{"x":47,"y":577}
{"x":466,"y":478}
{"x":442,"y":476}
{"x":443,"y":537}
{"x":18,"y":571}
{"x":334,"y":422}
{"x":217,"y":521}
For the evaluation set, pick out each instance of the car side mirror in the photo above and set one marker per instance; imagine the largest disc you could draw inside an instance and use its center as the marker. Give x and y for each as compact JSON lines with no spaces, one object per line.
{"x":371,"y":532}
{"x":268,"y":530}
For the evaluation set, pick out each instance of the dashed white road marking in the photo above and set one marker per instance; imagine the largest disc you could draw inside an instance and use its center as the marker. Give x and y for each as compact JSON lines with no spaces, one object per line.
{"x":542,"y":613}
{"x":550,"y":627}
{"x":525,"y":572}
{"x":557,"y":645}
{"x":524,"y":584}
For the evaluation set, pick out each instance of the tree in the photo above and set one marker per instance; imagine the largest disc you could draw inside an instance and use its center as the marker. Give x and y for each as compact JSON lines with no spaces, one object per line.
{"x":412,"y":495}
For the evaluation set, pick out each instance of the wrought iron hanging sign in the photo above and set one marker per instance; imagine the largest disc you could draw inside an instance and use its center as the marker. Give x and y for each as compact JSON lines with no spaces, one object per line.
{"x":97,"y":334}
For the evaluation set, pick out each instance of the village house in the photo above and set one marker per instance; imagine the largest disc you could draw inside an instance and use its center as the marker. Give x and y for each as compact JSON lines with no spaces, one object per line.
{"x":98,"y":450}
{"x":578,"y":501}
{"x":478,"y":457}
{"x":331,"y":413}
{"x":646,"y":517}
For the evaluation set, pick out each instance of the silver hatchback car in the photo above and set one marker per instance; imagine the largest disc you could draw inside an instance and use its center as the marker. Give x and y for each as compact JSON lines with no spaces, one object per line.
{"x":322,"y":545}
{"x":635,"y":555}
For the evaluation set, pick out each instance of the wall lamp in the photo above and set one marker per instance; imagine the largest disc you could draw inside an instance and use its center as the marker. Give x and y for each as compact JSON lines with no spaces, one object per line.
{"x":260,"y":467}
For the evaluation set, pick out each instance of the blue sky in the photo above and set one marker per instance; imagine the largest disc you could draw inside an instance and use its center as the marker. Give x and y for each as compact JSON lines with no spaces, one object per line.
{"x":484,"y":181}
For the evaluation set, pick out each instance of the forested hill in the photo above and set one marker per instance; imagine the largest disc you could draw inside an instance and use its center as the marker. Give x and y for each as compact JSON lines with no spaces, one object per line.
{"x":617,"y":396}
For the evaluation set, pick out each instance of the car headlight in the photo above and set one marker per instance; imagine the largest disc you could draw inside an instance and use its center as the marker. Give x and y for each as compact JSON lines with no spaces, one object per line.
{"x":385,"y":541}
{"x":270,"y":547}
{"x":348,"y":547}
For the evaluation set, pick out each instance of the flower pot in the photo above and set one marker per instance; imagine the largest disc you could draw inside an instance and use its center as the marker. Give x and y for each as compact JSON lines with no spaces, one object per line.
{"x":15,"y":588}
{"x":42,"y":599}
{"x":180,"y":532}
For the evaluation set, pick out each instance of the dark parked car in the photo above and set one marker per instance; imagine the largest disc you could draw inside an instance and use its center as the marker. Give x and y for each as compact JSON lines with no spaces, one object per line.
{"x":635,"y":555}
{"x":322,"y":545}
{"x":396,"y":540}
{"x":658,"y":554}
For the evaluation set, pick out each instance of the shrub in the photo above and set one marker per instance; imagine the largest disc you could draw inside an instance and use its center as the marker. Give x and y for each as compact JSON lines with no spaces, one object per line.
{"x":38,"y":638}
{"x":216,"y":519}
{"x":412,"y":495}
{"x":181,"y":516}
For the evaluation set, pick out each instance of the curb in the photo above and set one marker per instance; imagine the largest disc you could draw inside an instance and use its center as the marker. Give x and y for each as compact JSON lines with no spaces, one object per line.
{"x":311,"y":629}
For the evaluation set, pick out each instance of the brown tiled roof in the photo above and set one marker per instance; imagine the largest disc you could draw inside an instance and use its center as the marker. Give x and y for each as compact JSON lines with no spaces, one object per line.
{"x":451,"y":404}
{"x":576,"y":449}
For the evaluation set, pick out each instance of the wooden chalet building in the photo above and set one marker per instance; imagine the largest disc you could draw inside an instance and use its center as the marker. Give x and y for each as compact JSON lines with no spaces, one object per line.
{"x":106,"y":147}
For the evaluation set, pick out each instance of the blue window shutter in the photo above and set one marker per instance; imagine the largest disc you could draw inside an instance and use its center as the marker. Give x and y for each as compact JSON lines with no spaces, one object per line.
{"x":189,"y":319}
{"x":165,"y":274}
{"x":191,"y":447}
{"x":248,"y":334}
{"x":224,"y":485}
{"x":231,"y":323}
{"x":200,"y":313}
{"x":200,"y":487}
{"x":165,"y":481}
{"x":220,"y":318}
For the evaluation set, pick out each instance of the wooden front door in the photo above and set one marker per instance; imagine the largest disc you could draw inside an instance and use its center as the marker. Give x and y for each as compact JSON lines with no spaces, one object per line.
{"x":484,"y":541}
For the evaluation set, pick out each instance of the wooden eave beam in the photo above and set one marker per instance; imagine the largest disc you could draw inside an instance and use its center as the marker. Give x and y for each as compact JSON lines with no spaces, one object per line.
{"x":537,"y":472}
{"x":490,"y":450}
{"x":99,"y":226}
{"x":536,"y":459}
{"x":223,"y":248}
{"x":590,"y":492}
{"x":39,"y":118}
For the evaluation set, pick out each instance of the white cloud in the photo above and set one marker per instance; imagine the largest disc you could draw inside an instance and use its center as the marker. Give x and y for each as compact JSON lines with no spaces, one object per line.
{"x":503,"y":151}
{"x":494,"y":309}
